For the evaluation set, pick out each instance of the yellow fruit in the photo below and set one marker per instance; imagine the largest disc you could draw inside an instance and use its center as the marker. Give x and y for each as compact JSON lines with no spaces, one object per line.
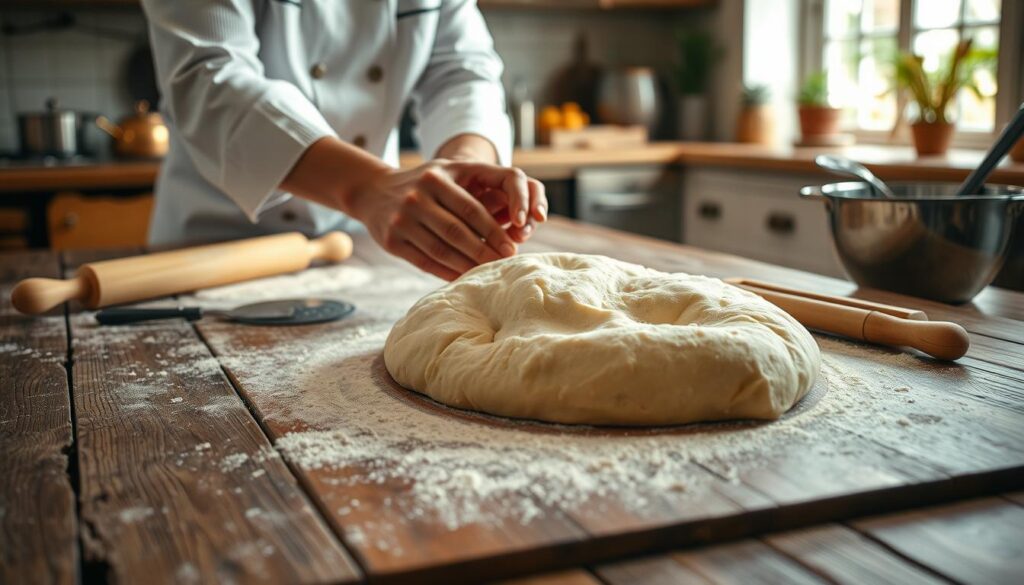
{"x":550,"y":117}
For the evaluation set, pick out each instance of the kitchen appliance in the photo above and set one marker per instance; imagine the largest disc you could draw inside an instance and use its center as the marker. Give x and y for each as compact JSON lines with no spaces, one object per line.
{"x":864,"y":320}
{"x":630,"y":96}
{"x":643,"y":200}
{"x":927,"y":242}
{"x":54,"y":132}
{"x":114,"y":282}
{"x":140,"y":135}
{"x":283,"y":312}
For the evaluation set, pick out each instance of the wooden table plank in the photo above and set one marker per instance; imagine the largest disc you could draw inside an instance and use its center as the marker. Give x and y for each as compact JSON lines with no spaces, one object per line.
{"x":654,"y":570}
{"x":844,"y":556}
{"x":570,"y":577}
{"x":979,"y":541}
{"x":745,"y":563}
{"x":177,"y":478}
{"x":38,"y":528}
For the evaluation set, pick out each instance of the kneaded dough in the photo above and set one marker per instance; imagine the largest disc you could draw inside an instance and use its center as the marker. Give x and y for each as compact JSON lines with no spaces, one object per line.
{"x":572,"y":338}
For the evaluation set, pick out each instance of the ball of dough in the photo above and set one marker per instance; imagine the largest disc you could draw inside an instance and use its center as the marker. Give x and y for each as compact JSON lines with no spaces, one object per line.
{"x":572,"y":338}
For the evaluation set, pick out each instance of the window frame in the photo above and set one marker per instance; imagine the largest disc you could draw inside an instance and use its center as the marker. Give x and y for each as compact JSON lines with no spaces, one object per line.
{"x":1008,"y":76}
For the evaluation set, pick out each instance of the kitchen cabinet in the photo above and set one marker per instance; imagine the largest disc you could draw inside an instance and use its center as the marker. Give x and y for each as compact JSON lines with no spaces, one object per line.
{"x":639,"y":199}
{"x":758,"y":215}
{"x":77,"y":221}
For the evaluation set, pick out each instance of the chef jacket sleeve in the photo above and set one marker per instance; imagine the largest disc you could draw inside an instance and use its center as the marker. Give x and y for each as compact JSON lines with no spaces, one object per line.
{"x":244,"y":132}
{"x":460,"y":90}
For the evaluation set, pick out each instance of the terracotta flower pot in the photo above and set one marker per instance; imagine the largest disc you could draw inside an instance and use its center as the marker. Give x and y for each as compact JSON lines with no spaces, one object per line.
{"x":931,"y":138}
{"x":756,"y":125}
{"x":817,"y":121}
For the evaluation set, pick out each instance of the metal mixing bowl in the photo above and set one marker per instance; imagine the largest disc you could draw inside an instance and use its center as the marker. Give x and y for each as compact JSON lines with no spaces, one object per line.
{"x":926,"y":242}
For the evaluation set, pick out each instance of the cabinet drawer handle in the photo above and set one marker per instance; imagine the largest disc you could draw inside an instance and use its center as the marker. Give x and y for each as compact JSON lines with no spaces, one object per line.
{"x":781,"y":223}
{"x":70,"y":220}
{"x":709,"y":210}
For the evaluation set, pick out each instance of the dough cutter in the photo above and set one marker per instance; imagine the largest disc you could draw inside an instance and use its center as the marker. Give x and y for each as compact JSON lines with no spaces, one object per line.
{"x":281,"y":312}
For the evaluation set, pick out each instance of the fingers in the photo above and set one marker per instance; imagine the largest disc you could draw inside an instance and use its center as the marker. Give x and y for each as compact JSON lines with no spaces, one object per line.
{"x":420,"y":260}
{"x":454,"y":232}
{"x":538,"y":200}
{"x":436,"y":248}
{"x":465,"y":208}
{"x":511,"y":181}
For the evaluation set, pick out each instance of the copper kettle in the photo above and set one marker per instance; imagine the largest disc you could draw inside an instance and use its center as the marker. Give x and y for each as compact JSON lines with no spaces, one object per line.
{"x":140,"y":135}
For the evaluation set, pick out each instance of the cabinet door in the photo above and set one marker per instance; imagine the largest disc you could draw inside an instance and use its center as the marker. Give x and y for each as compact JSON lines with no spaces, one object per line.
{"x":760,"y":216}
{"x":76,"y":221}
{"x":643,"y":200}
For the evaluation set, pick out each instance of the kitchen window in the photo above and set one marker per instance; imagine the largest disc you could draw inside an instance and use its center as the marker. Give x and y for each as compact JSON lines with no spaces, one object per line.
{"x":856,"y":42}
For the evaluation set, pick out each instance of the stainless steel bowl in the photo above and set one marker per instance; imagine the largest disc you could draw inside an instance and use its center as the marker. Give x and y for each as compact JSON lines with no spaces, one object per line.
{"x":927,"y":242}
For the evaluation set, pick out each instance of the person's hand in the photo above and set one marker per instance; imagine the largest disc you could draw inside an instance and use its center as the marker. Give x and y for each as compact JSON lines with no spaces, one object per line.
{"x":445,"y":217}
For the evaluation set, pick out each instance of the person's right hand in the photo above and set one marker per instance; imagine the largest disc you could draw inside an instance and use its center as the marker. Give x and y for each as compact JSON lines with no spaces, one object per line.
{"x":424,"y":216}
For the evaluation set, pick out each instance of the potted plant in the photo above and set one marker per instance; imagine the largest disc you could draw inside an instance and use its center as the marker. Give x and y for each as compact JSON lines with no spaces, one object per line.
{"x":819,"y":122}
{"x":755,"y":124}
{"x":934,"y":93}
{"x":697,"y":53}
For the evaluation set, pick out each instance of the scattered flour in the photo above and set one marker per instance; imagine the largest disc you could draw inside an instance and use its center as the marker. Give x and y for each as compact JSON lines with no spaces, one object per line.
{"x":452,"y":469}
{"x":133,"y":515}
{"x":317,"y":281}
{"x":327,"y":388}
{"x":233,"y":461}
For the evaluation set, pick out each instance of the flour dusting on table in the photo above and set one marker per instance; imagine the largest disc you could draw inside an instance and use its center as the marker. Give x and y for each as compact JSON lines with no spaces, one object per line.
{"x":462,"y":472}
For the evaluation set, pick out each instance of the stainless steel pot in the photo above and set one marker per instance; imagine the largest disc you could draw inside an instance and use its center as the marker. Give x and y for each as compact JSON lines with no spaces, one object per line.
{"x":927,"y":242}
{"x":54,"y":132}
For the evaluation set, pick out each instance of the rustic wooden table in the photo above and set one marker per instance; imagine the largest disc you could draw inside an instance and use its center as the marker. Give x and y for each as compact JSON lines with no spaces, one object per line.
{"x":217,"y":452}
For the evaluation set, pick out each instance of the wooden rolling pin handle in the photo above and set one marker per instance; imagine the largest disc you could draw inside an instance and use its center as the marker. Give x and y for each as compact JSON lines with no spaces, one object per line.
{"x":38,"y":295}
{"x":942,"y":340}
{"x":333,"y":247}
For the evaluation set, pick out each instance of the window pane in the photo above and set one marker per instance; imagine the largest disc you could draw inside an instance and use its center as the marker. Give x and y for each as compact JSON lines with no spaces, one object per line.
{"x":841,"y":61}
{"x":935,"y":46}
{"x":936,"y":13}
{"x":881,"y":15}
{"x":842,"y":18}
{"x":877,"y":104}
{"x":979,"y":113}
{"x":982,"y":11}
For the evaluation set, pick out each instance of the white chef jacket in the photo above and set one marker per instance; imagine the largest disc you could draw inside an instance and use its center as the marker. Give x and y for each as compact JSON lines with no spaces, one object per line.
{"x":248,"y":85}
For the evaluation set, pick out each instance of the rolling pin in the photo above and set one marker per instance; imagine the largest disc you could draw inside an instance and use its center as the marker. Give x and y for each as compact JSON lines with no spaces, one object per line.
{"x":112,"y":282}
{"x":940,"y":339}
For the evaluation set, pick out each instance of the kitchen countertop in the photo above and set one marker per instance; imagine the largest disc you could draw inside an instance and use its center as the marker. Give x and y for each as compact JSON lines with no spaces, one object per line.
{"x":212,"y":451}
{"x":889,"y":162}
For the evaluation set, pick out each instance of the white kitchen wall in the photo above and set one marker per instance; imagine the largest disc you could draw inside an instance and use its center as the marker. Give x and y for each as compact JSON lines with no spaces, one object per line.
{"x":84,"y":67}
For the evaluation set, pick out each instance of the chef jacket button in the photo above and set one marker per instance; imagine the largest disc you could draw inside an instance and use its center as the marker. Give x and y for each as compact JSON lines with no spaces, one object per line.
{"x":318,"y":70}
{"x":375,"y":74}
{"x":288,"y":216}
{"x":359,"y":141}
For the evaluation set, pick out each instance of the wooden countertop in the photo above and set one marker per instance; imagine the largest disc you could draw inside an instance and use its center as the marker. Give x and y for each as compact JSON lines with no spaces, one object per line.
{"x":891,"y":163}
{"x":209,"y":450}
